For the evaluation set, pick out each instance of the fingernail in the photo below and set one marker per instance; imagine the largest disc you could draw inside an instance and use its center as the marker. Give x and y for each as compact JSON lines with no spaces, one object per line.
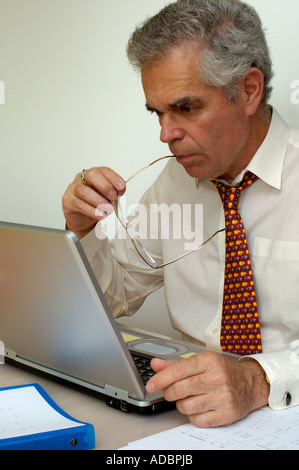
{"x":111,"y":195}
{"x":119,"y":185}
{"x":150,"y":387}
{"x":98,"y":213}
{"x":103,"y":210}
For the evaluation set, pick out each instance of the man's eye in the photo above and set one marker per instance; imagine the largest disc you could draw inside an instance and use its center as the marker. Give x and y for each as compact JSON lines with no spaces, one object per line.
{"x":187,"y":109}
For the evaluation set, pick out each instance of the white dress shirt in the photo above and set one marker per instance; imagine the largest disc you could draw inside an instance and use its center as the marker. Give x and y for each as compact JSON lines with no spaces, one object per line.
{"x":194,"y":285}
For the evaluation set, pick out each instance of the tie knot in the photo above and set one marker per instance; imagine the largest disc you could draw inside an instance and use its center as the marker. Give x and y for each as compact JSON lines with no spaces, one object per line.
{"x":230,"y":195}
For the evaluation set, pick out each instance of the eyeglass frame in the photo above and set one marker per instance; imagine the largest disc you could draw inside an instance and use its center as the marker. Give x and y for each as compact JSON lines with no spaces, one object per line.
{"x":140,"y":249}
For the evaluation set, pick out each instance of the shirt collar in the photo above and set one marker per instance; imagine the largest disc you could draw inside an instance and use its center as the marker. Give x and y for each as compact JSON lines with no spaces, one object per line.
{"x":267,"y":163}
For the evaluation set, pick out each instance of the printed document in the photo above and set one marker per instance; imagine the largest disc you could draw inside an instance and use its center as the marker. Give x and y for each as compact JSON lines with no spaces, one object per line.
{"x":264,"y":429}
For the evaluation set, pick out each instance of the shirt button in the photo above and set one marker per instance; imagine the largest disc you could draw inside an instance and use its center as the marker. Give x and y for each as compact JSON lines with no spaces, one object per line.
{"x":287,"y":399}
{"x":215,"y":331}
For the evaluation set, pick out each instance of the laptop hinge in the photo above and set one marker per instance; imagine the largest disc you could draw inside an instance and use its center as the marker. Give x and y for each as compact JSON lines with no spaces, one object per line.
{"x":10,"y":353}
{"x":116,"y":392}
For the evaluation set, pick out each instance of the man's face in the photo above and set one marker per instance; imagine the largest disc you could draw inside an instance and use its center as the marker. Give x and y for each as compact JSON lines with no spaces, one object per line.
{"x":209,"y":136}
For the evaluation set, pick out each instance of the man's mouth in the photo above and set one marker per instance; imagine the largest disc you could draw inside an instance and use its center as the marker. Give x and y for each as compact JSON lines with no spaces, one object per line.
{"x":181,"y":158}
{"x":186,"y":160}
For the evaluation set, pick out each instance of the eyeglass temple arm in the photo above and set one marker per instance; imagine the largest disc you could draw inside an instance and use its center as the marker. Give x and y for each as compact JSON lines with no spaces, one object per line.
{"x":152,"y":263}
{"x":147,"y":166}
{"x":114,"y":202}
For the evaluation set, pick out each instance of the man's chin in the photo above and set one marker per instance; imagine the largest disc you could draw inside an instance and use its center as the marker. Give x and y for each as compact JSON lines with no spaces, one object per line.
{"x":192,"y":166}
{"x":196,"y":171}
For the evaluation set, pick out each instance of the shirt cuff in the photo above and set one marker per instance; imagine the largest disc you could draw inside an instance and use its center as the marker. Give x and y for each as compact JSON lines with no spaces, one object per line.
{"x":282,"y":370}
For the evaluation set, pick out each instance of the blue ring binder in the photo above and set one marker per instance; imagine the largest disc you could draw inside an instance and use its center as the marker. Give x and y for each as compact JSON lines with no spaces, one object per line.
{"x":71,"y":438}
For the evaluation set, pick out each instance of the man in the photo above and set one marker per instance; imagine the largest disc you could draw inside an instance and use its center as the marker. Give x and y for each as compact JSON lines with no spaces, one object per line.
{"x":206,"y":73}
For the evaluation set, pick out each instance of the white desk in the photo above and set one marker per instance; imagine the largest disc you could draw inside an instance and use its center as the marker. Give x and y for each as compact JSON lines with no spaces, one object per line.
{"x":113,"y":428}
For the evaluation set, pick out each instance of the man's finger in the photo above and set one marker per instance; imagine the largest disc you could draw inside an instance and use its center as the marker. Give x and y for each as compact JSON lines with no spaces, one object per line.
{"x":169,"y":372}
{"x":105,"y":181}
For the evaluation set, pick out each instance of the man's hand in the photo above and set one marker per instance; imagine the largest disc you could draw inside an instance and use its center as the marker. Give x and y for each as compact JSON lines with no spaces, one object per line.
{"x":211,"y":389}
{"x":84,"y":204}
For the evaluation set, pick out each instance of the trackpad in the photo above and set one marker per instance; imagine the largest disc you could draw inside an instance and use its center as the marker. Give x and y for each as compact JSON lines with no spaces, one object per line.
{"x":154,"y":348}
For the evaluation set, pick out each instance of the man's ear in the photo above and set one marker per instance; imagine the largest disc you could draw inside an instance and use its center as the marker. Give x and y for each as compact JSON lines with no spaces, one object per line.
{"x":252,"y":90}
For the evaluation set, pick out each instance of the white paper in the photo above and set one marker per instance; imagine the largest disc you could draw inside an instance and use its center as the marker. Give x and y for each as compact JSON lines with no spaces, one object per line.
{"x":262,"y":429}
{"x":23,"y":411}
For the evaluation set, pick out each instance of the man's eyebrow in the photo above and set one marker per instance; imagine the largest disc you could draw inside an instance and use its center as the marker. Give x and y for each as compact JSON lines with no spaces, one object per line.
{"x":150,"y":109}
{"x":187,"y":101}
{"x":184,"y":102}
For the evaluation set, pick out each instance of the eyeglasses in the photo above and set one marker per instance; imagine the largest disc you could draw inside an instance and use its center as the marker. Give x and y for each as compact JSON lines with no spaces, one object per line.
{"x":139,"y":247}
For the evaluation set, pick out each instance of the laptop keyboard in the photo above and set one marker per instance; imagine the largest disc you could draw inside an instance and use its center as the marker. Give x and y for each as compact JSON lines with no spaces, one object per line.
{"x":143,"y":367}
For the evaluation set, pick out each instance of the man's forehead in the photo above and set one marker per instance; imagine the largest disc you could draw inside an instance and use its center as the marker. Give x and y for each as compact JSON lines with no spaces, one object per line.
{"x":173,"y":80}
{"x":171,"y":94}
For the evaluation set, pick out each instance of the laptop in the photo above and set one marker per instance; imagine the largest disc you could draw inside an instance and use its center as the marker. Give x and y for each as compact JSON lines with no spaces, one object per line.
{"x":54,"y":318}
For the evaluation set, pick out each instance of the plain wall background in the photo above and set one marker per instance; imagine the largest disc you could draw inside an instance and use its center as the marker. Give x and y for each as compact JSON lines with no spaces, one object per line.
{"x":70,"y":100}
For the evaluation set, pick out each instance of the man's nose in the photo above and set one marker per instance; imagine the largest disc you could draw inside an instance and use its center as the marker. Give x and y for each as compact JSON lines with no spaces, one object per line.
{"x":170,"y":129}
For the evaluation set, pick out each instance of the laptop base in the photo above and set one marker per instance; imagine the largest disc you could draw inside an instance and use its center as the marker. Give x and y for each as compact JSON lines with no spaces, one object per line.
{"x":147,"y":410}
{"x":118,"y":404}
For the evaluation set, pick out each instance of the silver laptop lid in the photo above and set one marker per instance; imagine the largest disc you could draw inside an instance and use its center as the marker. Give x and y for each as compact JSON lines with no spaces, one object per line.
{"x":53,"y":313}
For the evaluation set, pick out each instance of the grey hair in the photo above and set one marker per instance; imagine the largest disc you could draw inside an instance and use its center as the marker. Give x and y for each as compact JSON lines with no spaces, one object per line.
{"x":229,"y":33}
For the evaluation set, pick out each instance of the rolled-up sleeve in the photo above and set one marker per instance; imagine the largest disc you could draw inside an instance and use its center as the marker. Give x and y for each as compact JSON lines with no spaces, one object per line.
{"x":122,"y":275}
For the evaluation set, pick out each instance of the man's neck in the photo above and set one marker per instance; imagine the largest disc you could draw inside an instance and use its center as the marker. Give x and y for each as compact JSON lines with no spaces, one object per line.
{"x":259,"y":128}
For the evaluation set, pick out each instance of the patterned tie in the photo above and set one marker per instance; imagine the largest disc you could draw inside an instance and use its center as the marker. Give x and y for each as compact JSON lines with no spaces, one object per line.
{"x":240,"y":333}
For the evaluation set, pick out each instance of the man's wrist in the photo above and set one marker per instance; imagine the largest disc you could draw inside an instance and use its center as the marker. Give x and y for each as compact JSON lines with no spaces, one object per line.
{"x":260,"y":382}
{"x":79,"y":233}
